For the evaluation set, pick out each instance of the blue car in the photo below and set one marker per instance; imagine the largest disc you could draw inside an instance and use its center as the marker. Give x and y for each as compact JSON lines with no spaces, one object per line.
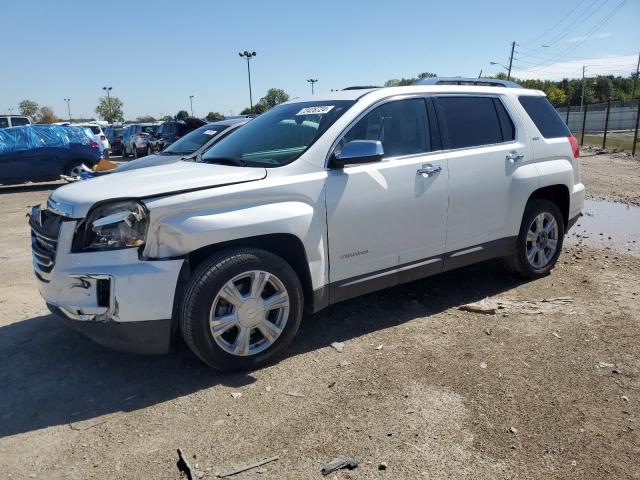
{"x":41,"y":153}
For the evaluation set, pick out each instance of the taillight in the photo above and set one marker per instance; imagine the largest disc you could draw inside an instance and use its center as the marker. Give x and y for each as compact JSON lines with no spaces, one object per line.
{"x":574,"y":146}
{"x":117,"y":140}
{"x":94,"y":144}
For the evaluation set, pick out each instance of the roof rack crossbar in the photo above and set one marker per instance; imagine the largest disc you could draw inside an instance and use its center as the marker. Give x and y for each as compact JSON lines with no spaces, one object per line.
{"x":481,"y":82}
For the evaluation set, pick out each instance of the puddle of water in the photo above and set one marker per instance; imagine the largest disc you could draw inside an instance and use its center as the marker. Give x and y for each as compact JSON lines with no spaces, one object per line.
{"x":608,"y":224}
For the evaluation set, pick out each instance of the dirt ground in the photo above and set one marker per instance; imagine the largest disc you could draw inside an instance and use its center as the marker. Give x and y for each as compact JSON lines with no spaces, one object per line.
{"x":547,"y":387}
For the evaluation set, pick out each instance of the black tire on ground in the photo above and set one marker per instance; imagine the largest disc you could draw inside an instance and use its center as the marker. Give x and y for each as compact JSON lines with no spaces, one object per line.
{"x":518,"y":263}
{"x":207,"y":281}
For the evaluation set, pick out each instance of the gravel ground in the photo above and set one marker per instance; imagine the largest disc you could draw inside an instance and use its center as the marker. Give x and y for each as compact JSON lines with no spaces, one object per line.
{"x":547,"y":387}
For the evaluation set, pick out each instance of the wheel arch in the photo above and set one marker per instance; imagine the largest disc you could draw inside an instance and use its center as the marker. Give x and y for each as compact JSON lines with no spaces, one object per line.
{"x":285,"y":245}
{"x":558,"y":194}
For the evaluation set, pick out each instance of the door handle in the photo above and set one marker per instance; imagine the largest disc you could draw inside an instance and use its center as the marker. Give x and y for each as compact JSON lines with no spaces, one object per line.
{"x":514,"y":156}
{"x":428,"y":170}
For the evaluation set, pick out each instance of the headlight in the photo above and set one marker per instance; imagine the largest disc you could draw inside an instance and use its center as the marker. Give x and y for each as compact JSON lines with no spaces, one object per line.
{"x":116,"y":225}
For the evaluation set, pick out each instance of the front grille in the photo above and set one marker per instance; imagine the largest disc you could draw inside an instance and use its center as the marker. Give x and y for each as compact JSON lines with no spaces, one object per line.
{"x":45,"y":228}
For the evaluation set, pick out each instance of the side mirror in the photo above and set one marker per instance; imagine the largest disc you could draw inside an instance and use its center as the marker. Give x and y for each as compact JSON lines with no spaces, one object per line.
{"x":358,"y":151}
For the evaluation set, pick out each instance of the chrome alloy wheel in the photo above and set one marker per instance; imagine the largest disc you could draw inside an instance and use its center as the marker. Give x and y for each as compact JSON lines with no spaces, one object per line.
{"x":249,"y":313}
{"x":542,"y":240}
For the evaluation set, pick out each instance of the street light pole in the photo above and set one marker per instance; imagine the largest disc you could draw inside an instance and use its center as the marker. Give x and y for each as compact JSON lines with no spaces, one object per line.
{"x":191,"y":101}
{"x":248,"y":56}
{"x":108,"y":89}
{"x":68,"y":108}
{"x":312,"y":81}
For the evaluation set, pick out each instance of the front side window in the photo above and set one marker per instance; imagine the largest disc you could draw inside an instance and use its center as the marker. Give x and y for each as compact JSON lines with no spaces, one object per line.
{"x":278,"y":136}
{"x":474,"y":121}
{"x":401,"y":126}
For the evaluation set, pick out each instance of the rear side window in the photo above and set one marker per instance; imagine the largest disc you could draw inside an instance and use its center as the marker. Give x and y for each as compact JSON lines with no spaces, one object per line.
{"x":544,"y":116}
{"x":4,"y":122}
{"x":474,"y":121}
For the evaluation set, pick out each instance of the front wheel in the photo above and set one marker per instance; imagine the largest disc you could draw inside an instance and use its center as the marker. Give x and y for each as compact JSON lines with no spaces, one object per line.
{"x":539,"y":241}
{"x":241,"y":309}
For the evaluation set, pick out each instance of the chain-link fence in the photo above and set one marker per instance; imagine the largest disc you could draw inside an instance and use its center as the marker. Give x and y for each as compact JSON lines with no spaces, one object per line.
{"x":612,"y":125}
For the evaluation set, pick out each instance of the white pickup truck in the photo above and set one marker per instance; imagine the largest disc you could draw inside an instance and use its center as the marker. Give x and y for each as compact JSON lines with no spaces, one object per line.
{"x":316,"y":201}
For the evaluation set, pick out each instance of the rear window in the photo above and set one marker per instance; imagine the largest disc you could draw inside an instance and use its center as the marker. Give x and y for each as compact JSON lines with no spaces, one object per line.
{"x":544,"y":116}
{"x":95,"y":130}
{"x":149,"y":128}
{"x":474,"y":121}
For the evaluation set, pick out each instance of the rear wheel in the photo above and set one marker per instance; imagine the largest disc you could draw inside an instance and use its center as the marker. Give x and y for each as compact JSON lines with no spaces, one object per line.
{"x":241,"y":309}
{"x":540,"y":240}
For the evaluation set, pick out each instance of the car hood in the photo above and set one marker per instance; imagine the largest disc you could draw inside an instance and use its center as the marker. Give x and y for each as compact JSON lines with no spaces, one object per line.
{"x":149,"y":161}
{"x":75,"y":199}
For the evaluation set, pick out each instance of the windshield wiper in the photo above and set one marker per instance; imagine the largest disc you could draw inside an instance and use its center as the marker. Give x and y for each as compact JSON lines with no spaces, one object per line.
{"x":236,"y":162}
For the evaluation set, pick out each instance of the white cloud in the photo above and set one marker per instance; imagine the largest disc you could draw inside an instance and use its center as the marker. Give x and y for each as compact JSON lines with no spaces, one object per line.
{"x":597,"y":36}
{"x":613,"y":65}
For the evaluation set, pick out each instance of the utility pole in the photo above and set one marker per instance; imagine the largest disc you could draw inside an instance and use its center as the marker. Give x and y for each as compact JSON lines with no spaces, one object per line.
{"x":635,"y":79}
{"x":248,"y":56}
{"x":191,"y":102}
{"x":513,"y":47}
{"x":584,"y":67}
{"x":312,"y":81}
{"x":480,"y":74}
{"x":68,"y":108}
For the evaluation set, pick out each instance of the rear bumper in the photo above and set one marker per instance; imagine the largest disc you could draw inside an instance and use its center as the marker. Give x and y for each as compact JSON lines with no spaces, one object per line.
{"x":147,"y":337}
{"x":576,"y":203}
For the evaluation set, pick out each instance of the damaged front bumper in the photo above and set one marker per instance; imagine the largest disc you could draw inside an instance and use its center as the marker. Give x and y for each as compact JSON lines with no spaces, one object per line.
{"x":113,"y":297}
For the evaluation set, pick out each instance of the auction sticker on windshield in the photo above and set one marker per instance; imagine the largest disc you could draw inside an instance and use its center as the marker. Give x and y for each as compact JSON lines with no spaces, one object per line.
{"x":210,"y":132}
{"x":315,"y":110}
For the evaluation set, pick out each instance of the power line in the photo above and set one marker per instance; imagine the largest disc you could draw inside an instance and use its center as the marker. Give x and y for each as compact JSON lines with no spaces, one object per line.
{"x":588,"y":34}
{"x":554,"y":25}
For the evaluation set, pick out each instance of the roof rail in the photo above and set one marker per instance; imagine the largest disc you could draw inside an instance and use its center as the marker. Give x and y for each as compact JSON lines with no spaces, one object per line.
{"x":481,"y":82}
{"x":361,"y":87}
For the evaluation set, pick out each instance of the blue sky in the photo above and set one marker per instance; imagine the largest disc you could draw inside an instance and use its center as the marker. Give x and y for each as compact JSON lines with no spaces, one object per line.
{"x":156,"y":53}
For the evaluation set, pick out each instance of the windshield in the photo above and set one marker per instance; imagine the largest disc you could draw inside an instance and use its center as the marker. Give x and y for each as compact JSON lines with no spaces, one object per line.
{"x":192,"y":141}
{"x":279,"y":136}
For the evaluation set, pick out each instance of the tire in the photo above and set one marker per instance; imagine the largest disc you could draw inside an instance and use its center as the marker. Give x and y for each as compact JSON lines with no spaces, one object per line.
{"x":204,"y":298}
{"x":74,"y":169}
{"x":534,"y":256}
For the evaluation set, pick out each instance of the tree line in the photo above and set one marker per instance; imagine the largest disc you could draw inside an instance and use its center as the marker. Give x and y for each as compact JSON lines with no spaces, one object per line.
{"x":560,"y":93}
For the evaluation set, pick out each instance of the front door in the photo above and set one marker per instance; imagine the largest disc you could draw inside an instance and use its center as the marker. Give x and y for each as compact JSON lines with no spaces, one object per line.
{"x":386,"y":219}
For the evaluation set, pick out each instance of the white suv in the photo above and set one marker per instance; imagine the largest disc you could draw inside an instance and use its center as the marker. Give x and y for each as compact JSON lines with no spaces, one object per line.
{"x":313,"y":202}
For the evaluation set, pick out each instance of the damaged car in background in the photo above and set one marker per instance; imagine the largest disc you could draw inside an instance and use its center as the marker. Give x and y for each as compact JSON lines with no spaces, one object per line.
{"x":39,"y":153}
{"x":315,"y":201}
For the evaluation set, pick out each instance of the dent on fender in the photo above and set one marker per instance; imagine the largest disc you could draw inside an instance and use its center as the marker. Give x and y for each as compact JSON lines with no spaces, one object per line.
{"x":182,"y":233}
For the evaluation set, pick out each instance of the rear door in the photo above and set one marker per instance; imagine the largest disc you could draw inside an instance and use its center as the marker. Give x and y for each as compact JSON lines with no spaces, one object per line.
{"x":485,"y":149}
